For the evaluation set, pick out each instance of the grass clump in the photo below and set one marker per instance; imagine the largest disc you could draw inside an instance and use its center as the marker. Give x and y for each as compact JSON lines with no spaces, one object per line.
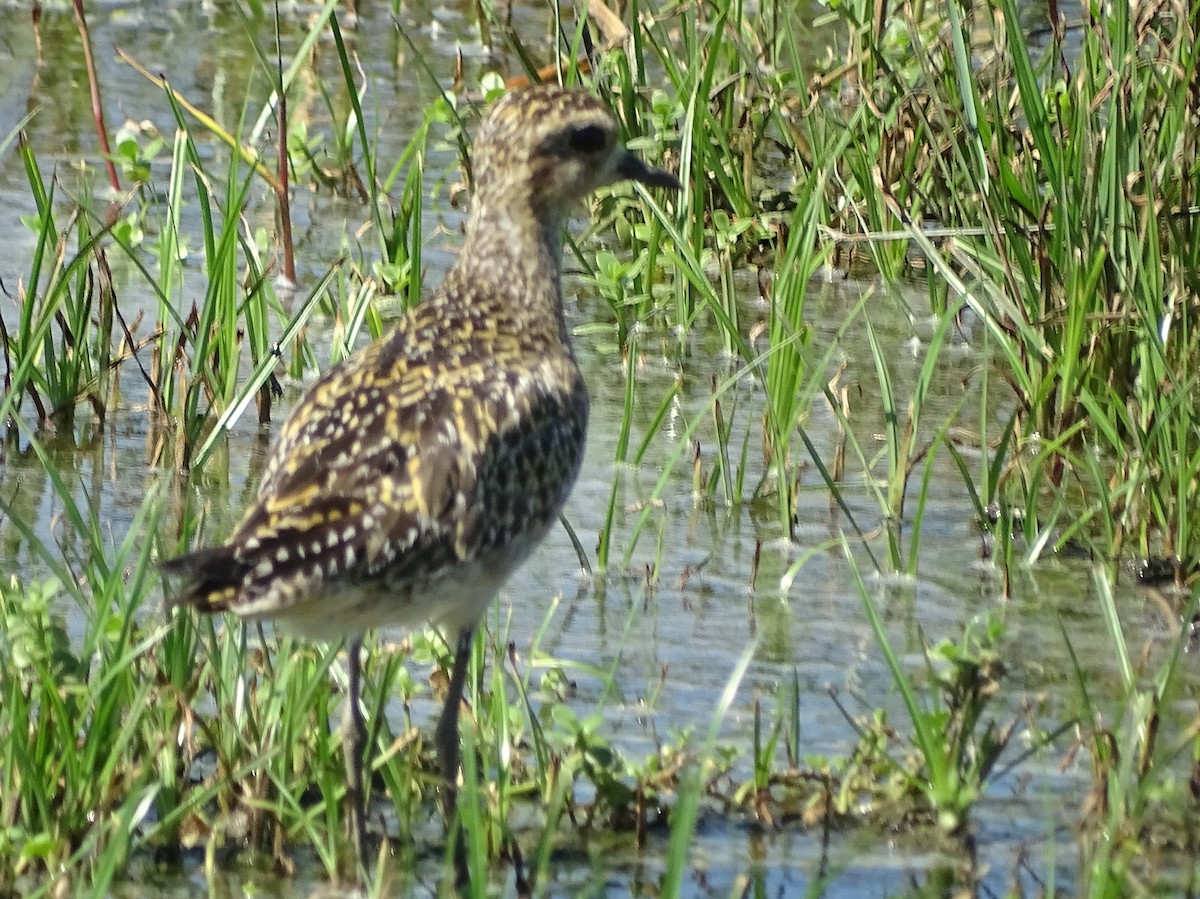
{"x":83,"y":721}
{"x":1064,"y":177}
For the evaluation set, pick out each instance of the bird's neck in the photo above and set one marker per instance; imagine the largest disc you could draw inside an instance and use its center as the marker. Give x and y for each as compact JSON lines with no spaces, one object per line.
{"x":511,"y":261}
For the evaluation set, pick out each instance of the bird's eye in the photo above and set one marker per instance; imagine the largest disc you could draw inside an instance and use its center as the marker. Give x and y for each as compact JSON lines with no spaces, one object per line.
{"x":588,"y":139}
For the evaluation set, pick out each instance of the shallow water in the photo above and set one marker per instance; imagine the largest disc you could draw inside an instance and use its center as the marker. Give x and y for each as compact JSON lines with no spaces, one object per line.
{"x":702,"y":613}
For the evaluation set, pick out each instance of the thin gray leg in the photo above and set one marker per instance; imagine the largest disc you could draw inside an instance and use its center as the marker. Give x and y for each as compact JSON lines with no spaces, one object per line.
{"x":355,"y":743}
{"x":448,"y":742}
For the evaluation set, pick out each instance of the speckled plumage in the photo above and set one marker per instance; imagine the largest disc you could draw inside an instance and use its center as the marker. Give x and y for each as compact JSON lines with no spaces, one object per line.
{"x":413,"y":478}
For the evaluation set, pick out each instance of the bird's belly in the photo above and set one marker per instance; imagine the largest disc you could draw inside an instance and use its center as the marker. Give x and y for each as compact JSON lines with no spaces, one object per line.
{"x":453,"y":598}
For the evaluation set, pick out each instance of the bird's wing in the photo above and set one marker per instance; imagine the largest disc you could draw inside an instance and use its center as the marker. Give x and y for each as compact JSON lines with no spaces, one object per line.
{"x":384,"y":465}
{"x":367,"y":476}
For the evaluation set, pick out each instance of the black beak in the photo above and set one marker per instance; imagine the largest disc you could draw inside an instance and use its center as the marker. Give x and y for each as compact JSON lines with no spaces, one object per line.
{"x":634,"y":169}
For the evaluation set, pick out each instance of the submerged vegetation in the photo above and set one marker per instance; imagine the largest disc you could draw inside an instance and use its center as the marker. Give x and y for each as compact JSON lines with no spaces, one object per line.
{"x":1039,"y":178}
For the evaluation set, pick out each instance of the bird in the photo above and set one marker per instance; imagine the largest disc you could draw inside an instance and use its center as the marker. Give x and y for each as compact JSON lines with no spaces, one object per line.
{"x":413,"y":478}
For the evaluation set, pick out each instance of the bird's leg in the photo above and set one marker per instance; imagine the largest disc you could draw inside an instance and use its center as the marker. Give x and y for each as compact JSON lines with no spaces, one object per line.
{"x":355,"y":743}
{"x":447,"y":729}
{"x":448,"y":742}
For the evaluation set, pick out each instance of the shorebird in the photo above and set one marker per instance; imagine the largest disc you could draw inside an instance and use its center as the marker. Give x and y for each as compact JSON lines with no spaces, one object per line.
{"x":413,"y":478}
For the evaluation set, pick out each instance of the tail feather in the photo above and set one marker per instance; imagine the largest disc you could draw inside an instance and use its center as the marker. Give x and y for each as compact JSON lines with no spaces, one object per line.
{"x":214,"y":576}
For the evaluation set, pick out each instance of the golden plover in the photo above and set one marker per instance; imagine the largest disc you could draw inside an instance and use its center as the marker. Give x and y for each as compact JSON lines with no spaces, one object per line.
{"x":413,"y":478}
